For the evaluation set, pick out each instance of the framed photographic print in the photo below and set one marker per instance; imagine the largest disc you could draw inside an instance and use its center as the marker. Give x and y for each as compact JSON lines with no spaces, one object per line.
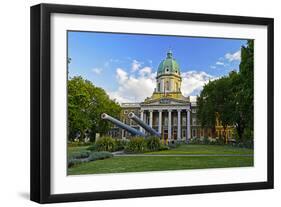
{"x":132,"y":103}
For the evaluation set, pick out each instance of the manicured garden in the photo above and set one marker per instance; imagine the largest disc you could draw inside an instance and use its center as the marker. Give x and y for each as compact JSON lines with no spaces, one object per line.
{"x":140,"y":155}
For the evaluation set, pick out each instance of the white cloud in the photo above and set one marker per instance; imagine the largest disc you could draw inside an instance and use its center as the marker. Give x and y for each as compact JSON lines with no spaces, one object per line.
{"x":134,"y":89}
{"x":135,"y":65}
{"x":193,"y":82}
{"x":192,"y":98}
{"x":219,"y":63}
{"x":146,"y":71}
{"x":137,"y":87}
{"x":97,"y":70}
{"x":234,"y":56}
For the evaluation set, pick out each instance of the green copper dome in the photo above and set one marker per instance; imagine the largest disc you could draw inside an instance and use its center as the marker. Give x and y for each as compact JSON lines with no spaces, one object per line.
{"x":168,"y":65}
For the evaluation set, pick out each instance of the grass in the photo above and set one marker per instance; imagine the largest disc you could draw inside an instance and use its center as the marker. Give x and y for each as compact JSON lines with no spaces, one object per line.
{"x":141,"y":164}
{"x":152,"y":163}
{"x":205,"y":149}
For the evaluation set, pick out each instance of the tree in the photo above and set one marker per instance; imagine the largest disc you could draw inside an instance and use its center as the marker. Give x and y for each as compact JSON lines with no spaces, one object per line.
{"x":86,"y":103}
{"x":231,"y":97}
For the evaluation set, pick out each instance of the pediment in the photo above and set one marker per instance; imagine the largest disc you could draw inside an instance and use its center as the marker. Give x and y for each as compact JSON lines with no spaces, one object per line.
{"x":164,"y":101}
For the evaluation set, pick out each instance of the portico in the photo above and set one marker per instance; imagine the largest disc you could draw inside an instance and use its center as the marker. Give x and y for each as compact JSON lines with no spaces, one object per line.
{"x":172,"y":122}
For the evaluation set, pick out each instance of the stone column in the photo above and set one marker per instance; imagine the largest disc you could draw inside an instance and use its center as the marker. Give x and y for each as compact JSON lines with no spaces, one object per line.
{"x":160,"y":121}
{"x":179,"y":125}
{"x":188,"y":125}
{"x":141,"y":117}
{"x":150,"y":118}
{"x":169,"y":125}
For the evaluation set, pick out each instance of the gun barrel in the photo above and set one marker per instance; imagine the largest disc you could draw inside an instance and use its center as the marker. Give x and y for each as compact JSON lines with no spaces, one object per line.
{"x":149,"y":129}
{"x":119,"y":124}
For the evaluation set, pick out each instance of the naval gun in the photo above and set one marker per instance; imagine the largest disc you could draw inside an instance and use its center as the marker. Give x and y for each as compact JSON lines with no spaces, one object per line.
{"x":118,"y":123}
{"x":149,"y":129}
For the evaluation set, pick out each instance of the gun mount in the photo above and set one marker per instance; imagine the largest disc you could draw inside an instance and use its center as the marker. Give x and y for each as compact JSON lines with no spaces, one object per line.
{"x":119,"y":124}
{"x":149,"y":129}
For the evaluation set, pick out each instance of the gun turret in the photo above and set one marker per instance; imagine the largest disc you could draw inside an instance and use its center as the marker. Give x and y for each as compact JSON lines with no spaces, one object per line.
{"x":119,"y":124}
{"x":149,"y":129}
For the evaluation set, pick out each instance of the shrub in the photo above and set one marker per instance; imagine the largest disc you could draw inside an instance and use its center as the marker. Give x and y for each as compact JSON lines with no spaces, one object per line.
{"x":105,"y":144}
{"x":91,"y":157}
{"x":195,"y":141}
{"x":153,"y":143}
{"x":92,"y":147}
{"x":163,"y":147}
{"x":78,"y":144}
{"x":72,"y":162}
{"x":79,"y":155}
{"x":206,"y":140}
{"x":174,"y":144}
{"x":120,"y":144}
{"x":99,"y":156}
{"x":136,"y":144}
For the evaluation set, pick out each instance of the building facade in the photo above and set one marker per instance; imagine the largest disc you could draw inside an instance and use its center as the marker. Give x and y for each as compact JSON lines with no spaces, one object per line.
{"x":167,"y":110}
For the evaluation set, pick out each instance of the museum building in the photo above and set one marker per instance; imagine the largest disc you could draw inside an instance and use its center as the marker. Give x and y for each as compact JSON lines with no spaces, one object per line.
{"x":167,"y":110}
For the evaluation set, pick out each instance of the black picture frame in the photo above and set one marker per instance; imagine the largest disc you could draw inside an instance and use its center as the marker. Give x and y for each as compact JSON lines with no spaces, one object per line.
{"x":41,"y":96}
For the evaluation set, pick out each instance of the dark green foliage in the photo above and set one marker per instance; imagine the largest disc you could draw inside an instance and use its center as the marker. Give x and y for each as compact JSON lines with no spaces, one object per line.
{"x":195,"y":141}
{"x":230,"y":98}
{"x":136,"y":144}
{"x":99,"y":156}
{"x":163,"y":147}
{"x":206,"y":140}
{"x":80,"y":155}
{"x":153,"y":143}
{"x":73,"y":162}
{"x":172,"y":145}
{"x":120,"y":144}
{"x":84,"y":157}
{"x":78,"y":144}
{"x":92,"y":147}
{"x":86,"y":103}
{"x":105,"y":144}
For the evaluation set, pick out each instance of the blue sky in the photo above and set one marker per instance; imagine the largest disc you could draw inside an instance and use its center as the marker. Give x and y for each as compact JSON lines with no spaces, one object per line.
{"x":125,"y":65}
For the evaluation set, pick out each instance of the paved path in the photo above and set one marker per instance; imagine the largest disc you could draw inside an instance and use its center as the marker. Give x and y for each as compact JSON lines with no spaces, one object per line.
{"x":183,"y":155}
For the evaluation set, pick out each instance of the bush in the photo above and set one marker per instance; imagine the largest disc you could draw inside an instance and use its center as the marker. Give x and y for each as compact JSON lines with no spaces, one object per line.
{"x":105,"y":144}
{"x":195,"y":141}
{"x":79,"y":155}
{"x":91,"y":157}
{"x":137,"y":144}
{"x":163,"y":147}
{"x":153,"y":143}
{"x":72,"y":162}
{"x":99,"y":156}
{"x":206,"y":140}
{"x":173,"y":144}
{"x":78,"y":144}
{"x":120,"y":144}
{"x":92,"y":147}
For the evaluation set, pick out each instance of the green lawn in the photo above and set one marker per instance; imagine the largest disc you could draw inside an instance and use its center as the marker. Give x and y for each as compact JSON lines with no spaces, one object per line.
{"x":154,"y":163}
{"x":205,"y":149}
{"x":141,"y":164}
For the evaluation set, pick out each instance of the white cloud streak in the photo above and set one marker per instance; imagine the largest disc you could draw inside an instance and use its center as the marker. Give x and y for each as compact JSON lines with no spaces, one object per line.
{"x":97,"y":70}
{"x":234,"y":56}
{"x":135,"y":65}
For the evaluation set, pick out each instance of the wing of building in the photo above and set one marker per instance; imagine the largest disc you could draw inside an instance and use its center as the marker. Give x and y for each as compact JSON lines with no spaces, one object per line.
{"x":167,"y":110}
